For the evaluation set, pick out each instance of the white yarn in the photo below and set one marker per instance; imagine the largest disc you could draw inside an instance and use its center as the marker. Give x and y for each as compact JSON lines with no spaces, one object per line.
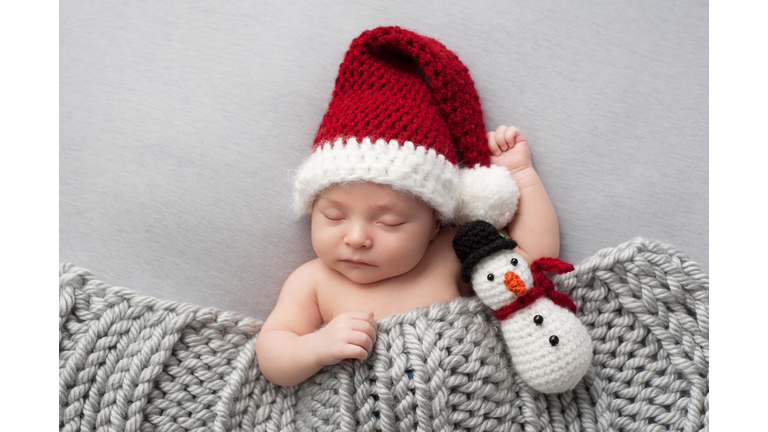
{"x":487,"y":193}
{"x":546,"y":368}
{"x":414,"y":169}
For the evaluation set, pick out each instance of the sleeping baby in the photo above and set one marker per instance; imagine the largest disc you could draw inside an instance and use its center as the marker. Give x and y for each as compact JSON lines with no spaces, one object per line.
{"x":400,"y":160}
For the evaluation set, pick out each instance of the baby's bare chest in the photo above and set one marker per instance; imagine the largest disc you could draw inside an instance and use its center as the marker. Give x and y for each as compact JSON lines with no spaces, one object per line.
{"x":337,"y":294}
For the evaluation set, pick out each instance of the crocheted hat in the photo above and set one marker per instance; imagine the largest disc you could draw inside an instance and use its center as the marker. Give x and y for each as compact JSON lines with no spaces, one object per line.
{"x":405,"y":113}
{"x":475,"y":241}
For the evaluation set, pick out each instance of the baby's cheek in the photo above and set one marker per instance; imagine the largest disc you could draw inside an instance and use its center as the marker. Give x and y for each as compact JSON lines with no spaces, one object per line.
{"x":321,"y":243}
{"x":406,"y":255}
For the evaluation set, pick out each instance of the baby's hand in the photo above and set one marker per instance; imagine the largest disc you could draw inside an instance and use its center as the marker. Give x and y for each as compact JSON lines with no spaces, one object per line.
{"x":349,"y":335}
{"x":509,"y":148}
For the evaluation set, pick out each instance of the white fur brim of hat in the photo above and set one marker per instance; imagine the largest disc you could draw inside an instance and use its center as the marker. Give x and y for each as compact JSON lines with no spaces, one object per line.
{"x":458,"y":195}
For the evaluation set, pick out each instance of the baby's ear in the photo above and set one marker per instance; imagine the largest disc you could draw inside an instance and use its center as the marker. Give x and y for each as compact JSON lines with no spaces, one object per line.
{"x":436,"y":228}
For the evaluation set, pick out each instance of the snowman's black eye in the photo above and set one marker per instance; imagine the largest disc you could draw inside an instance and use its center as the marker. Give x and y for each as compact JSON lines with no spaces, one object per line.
{"x":490,"y":276}
{"x":514,"y":261}
{"x":538,"y":319}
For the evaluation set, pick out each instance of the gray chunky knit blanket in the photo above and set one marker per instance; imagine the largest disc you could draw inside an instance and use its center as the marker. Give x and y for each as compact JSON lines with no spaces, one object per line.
{"x":129,"y":362}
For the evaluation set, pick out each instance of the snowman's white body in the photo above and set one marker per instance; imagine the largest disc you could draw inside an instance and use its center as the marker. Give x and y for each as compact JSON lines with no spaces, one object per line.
{"x":547,"y":367}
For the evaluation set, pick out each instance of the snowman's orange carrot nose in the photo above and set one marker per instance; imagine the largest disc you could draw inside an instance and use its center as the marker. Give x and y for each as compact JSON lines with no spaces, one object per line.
{"x":514,"y":283}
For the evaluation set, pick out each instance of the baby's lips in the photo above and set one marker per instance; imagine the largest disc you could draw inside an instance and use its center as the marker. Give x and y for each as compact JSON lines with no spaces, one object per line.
{"x":514,"y":283}
{"x":355,"y":262}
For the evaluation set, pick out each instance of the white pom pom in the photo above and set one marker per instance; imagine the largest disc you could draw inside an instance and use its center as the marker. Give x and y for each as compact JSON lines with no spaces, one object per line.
{"x":489,"y":194}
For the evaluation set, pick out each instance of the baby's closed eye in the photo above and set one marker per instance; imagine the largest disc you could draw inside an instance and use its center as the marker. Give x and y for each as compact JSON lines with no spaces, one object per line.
{"x":333,"y":216}
{"x":391,"y":221}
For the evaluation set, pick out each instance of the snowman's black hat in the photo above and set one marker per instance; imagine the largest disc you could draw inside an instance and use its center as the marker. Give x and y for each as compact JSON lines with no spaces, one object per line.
{"x":475,"y":241}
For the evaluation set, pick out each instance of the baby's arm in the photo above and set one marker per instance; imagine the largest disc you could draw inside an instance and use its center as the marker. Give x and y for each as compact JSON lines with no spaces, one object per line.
{"x":290,"y":348}
{"x":534,"y":227}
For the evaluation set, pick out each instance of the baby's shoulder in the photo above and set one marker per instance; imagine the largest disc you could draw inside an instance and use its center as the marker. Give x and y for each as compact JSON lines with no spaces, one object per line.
{"x":305,"y":287}
{"x":310,"y":270}
{"x":313,"y":273}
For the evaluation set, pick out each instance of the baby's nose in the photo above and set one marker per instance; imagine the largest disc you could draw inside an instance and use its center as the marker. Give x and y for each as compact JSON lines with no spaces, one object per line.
{"x":357,"y":237}
{"x":514,"y":283}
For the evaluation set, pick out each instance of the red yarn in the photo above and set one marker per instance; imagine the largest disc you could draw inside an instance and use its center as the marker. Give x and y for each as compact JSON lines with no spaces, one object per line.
{"x":396,"y":84}
{"x":551,"y":265}
{"x":542,"y":286}
{"x":524,"y":300}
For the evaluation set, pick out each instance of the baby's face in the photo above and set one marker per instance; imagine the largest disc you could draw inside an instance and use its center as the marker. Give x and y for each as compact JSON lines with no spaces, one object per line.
{"x":370,"y":232}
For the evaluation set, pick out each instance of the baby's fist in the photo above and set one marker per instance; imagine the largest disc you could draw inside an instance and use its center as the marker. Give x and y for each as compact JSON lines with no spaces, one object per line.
{"x":509,"y":148}
{"x":349,"y":335}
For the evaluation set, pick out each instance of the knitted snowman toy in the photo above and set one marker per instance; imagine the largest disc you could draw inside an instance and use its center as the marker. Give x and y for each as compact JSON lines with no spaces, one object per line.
{"x":550,"y":348}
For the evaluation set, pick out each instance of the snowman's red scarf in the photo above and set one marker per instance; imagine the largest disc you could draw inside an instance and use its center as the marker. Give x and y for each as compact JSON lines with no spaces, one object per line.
{"x":542,"y":286}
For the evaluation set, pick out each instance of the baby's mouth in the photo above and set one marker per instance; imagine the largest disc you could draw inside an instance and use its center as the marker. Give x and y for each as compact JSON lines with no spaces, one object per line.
{"x":356,"y":263}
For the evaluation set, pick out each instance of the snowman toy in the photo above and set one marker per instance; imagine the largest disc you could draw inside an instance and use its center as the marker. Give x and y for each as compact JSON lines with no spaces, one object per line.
{"x":550,"y":348}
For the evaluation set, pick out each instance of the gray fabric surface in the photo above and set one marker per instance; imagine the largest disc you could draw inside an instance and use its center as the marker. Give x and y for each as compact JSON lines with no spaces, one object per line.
{"x":131,"y":362}
{"x":180,"y":123}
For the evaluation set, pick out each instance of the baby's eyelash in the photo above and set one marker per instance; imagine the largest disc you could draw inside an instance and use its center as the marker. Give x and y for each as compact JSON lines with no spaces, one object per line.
{"x":392,"y":225}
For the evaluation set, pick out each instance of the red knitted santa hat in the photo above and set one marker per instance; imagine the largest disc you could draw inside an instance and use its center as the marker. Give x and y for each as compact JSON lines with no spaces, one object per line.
{"x":405,"y":113}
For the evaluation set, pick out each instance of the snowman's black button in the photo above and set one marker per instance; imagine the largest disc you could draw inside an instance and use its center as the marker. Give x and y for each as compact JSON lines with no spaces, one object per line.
{"x":490,"y":276}
{"x":554,"y":340}
{"x":538,"y":319}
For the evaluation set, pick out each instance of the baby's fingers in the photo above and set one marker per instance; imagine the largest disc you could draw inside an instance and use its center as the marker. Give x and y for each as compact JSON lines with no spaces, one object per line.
{"x":513,"y":136}
{"x":355,"y":352}
{"x":500,"y":136}
{"x":362,"y":340}
{"x":366,"y":327}
{"x":492,"y":145}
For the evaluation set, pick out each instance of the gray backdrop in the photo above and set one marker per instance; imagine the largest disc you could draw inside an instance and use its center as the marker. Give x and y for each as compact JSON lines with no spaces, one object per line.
{"x":180,"y":122}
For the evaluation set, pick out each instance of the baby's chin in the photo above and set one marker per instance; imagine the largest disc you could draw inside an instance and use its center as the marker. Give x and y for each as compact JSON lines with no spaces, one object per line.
{"x":368,"y":275}
{"x":363,"y":278}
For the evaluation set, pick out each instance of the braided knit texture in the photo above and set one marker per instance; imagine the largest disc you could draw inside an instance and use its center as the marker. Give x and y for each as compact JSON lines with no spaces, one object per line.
{"x":129,"y":362}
